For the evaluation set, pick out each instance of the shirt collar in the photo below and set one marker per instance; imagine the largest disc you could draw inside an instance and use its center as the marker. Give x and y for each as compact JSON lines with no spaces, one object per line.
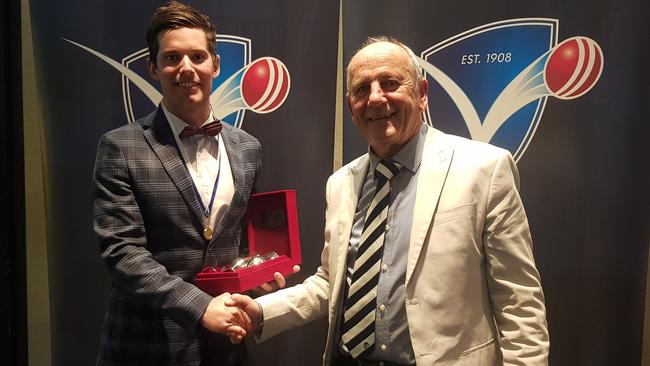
{"x":409,"y":156}
{"x":177,"y":124}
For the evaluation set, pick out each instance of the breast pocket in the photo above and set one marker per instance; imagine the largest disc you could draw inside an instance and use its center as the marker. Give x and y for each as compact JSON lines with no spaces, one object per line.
{"x":454,"y":235}
{"x":467,"y":210}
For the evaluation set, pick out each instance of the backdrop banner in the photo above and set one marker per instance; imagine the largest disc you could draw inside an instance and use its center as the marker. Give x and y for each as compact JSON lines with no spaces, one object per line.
{"x":91,"y":67}
{"x":563,"y":87}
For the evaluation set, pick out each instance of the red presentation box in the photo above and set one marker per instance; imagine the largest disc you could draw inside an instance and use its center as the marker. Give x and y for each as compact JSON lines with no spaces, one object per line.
{"x":270,"y":224}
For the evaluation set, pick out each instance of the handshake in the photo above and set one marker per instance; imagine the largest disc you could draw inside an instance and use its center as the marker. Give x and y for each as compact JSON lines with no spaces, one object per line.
{"x":237,"y":315}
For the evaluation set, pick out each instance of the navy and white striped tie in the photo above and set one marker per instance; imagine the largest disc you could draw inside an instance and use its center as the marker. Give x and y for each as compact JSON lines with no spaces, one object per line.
{"x":361,"y":302}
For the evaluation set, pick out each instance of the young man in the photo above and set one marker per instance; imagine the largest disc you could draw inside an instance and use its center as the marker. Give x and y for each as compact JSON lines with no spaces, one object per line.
{"x":170,"y":191}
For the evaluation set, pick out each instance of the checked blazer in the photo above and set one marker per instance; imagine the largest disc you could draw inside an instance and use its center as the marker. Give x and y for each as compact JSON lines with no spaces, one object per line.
{"x":149,"y":225}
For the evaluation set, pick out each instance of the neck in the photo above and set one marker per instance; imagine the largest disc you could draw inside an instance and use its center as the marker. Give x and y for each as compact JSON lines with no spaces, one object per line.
{"x":193,"y":115}
{"x":384,"y":152}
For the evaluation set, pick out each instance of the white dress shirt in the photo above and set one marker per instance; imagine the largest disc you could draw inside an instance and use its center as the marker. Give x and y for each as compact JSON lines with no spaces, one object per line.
{"x":206,"y":160}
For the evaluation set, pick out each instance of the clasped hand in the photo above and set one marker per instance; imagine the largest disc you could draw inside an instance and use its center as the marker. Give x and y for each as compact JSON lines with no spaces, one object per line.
{"x":237,"y":315}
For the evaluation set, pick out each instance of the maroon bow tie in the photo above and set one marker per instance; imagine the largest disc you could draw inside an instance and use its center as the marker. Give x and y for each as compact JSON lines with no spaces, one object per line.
{"x":211,"y":129}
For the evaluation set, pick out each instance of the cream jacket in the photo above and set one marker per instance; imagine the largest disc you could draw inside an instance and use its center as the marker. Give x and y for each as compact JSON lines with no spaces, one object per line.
{"x":473,"y":294}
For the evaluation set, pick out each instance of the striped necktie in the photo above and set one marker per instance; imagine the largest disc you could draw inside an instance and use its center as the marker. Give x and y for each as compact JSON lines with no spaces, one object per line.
{"x":361,"y":301}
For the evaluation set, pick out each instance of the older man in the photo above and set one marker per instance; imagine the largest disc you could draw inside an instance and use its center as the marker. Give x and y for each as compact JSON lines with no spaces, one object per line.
{"x":427,"y":255}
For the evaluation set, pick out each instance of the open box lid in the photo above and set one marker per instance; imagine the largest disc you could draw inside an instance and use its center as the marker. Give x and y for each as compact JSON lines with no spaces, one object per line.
{"x":272,"y":224}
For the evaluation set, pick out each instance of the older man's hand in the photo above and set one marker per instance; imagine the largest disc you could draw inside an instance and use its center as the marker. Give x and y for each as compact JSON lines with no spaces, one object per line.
{"x":279,"y":282}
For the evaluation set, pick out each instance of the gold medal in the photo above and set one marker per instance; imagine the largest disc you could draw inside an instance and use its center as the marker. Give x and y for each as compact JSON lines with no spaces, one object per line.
{"x":207,"y":233}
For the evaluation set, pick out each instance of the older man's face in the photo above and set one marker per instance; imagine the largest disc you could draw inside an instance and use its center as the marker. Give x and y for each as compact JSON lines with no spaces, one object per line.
{"x":384,"y":102}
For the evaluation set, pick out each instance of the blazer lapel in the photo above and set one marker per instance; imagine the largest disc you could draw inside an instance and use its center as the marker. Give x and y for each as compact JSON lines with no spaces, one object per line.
{"x":436,"y":160}
{"x":349,"y":195}
{"x":162,"y":142}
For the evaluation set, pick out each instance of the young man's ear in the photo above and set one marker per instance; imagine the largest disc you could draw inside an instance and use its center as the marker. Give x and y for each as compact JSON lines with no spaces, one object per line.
{"x":216,"y":63}
{"x":153,"y":69}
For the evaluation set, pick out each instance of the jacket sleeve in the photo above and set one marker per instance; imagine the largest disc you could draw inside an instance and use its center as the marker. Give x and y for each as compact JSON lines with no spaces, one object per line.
{"x":120,"y":229}
{"x":300,"y":304}
{"x":513,"y":280}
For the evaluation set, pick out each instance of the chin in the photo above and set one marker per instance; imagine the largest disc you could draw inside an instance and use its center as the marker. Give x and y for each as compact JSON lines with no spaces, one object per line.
{"x":390,"y":132}
{"x":197,"y":99}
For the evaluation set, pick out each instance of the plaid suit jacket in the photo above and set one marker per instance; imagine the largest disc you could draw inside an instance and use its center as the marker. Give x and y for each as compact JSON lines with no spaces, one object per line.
{"x":149,"y":225}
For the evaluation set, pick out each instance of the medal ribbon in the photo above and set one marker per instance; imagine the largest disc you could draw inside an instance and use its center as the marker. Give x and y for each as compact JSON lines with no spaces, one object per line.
{"x":207,"y":210}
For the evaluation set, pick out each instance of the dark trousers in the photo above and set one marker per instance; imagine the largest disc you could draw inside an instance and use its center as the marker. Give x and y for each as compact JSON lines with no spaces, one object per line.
{"x":344,"y":360}
{"x":216,"y":350}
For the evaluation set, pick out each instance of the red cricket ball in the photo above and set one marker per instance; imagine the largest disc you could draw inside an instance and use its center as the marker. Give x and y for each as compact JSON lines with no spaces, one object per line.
{"x":265,"y":84}
{"x":573,"y":67}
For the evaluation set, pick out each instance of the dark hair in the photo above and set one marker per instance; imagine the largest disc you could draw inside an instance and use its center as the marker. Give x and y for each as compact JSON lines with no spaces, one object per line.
{"x":176,"y":15}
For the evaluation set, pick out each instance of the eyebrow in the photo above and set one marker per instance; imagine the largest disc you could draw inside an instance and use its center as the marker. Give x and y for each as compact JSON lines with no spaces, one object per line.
{"x":381,"y":76}
{"x":176,"y":50}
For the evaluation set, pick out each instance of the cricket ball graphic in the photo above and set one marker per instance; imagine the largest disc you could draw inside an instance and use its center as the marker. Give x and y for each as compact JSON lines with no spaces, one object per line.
{"x":573,"y":67}
{"x":265,"y":85}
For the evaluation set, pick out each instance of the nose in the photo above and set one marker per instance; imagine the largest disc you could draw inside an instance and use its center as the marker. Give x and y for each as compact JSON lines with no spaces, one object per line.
{"x":186,"y":65}
{"x":376,"y":96}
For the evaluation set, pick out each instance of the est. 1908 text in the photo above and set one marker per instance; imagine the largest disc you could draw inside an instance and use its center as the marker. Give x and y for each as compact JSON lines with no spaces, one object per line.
{"x":488,"y":58}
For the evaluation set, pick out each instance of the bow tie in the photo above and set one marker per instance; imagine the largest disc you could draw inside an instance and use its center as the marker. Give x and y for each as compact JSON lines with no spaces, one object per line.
{"x":211,"y":129}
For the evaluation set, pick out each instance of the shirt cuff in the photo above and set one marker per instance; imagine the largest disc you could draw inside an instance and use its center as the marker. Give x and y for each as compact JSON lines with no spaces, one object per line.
{"x":260,"y":323}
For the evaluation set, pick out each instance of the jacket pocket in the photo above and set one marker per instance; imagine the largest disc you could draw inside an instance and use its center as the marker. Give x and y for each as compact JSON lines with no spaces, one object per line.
{"x":477,"y":348}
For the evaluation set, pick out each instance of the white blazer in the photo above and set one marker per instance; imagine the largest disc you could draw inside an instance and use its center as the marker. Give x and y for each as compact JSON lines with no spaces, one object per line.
{"x":473,"y":294}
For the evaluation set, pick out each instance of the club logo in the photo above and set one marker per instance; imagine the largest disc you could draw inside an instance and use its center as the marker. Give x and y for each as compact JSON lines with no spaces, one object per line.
{"x":498,"y":77}
{"x":260,"y":86}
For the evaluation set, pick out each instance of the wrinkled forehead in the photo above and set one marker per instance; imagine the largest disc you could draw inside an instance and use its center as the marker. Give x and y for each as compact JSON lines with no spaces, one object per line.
{"x":377,"y":55}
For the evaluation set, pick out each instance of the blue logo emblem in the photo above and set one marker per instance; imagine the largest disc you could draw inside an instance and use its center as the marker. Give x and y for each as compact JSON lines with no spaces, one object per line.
{"x":491,"y":83}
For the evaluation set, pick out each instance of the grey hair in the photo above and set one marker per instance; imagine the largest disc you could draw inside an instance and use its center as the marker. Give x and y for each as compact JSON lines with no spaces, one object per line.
{"x":414,"y":65}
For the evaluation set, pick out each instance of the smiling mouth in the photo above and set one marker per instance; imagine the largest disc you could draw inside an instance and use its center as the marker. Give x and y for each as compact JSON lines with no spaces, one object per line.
{"x":187,"y":84}
{"x":377,"y":118}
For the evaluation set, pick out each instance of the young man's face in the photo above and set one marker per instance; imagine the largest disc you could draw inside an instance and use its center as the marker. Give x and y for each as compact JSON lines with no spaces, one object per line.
{"x":185,"y":69}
